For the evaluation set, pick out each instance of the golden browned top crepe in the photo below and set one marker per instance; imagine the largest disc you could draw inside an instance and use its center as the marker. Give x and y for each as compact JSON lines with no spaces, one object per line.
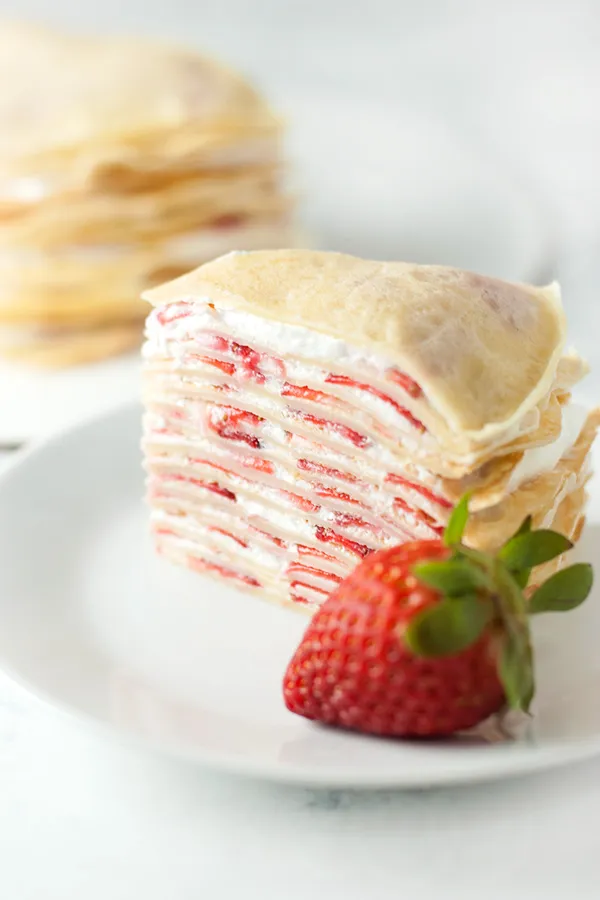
{"x":484,"y":351}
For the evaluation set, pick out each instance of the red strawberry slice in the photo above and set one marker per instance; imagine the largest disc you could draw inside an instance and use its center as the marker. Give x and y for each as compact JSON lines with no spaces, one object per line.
{"x":346,"y":520}
{"x":215,"y":342}
{"x":298,"y":568}
{"x":308,"y":466}
{"x":299,"y":588}
{"x":203,"y":565}
{"x":405,"y":382}
{"x":213,"y":465}
{"x":225,"y":421}
{"x":329,"y":536}
{"x":279,"y":542}
{"x":350,"y":382}
{"x":322,"y":491}
{"x":391,"y":478}
{"x":211,"y":486}
{"x":261,"y":465}
{"x":305,"y":393}
{"x":249,"y":362}
{"x":420,"y":514}
{"x":173,"y":311}
{"x":304,"y":550}
{"x":359,"y":440}
{"x":300,"y":502}
{"x":226,"y":367}
{"x":228,"y":534}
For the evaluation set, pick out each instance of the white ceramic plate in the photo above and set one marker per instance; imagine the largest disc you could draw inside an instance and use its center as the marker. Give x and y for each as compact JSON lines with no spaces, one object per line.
{"x":92,"y":621}
{"x":374,"y":180}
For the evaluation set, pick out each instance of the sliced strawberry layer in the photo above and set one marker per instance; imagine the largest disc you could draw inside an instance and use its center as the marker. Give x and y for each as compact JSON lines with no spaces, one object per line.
{"x":173,"y":311}
{"x":305,"y":393}
{"x":228,"y":534}
{"x":279,"y":542}
{"x":300,"y":502}
{"x":214,"y":465}
{"x":405,"y":382}
{"x":226,"y":421}
{"x":299,"y":569}
{"x":322,"y":491}
{"x":205,"y":462}
{"x":203,"y":565}
{"x":420,"y":514}
{"x":166,"y":531}
{"x":227,"y":367}
{"x":350,"y":382}
{"x":307,"y":466}
{"x":391,"y":478}
{"x":359,"y":440}
{"x":296,"y":587}
{"x":260,"y":465}
{"x":298,"y":598}
{"x":247,"y":362}
{"x":212,"y":486}
{"x":328,"y":536}
{"x":304,"y":550}
{"x":346,"y":520}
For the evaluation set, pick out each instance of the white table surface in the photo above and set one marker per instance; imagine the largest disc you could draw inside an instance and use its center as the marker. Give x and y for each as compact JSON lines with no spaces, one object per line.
{"x":81,"y":816}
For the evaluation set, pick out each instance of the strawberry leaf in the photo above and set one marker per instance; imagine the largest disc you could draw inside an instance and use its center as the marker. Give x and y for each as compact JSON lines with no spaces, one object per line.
{"x":516,"y":671}
{"x":524,"y":527}
{"x":521,"y":577}
{"x":533,"y":548}
{"x":565,"y":590}
{"x":448,"y":627}
{"x":452,"y":577}
{"x":457,"y":522}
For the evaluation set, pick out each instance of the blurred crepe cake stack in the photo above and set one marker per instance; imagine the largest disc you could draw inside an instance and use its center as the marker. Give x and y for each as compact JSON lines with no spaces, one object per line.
{"x":122,"y":164}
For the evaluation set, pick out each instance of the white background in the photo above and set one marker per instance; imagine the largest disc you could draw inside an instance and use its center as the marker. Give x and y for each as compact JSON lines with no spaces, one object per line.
{"x":81,"y":817}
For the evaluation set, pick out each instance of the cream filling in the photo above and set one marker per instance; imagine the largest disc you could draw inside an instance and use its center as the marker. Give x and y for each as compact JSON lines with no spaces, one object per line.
{"x":539,"y":460}
{"x":305,"y":342}
{"x":278,"y":338}
{"x":296,"y":343}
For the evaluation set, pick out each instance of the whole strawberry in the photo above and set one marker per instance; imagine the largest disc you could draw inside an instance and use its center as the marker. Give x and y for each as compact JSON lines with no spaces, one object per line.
{"x":430,"y":637}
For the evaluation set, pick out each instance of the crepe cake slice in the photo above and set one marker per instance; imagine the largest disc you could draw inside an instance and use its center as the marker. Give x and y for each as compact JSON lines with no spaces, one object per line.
{"x":304,"y":409}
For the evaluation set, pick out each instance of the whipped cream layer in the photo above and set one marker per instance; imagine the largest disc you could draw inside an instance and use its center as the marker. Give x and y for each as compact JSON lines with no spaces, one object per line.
{"x":170,"y":329}
{"x":543,"y":459}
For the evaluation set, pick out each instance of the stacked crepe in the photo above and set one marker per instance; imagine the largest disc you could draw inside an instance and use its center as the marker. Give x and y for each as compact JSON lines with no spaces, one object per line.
{"x":122,"y":164}
{"x":304,"y":409}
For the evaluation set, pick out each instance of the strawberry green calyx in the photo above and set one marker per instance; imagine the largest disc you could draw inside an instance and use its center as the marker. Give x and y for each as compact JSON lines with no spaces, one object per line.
{"x":457,"y":522}
{"x":484,"y":593}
